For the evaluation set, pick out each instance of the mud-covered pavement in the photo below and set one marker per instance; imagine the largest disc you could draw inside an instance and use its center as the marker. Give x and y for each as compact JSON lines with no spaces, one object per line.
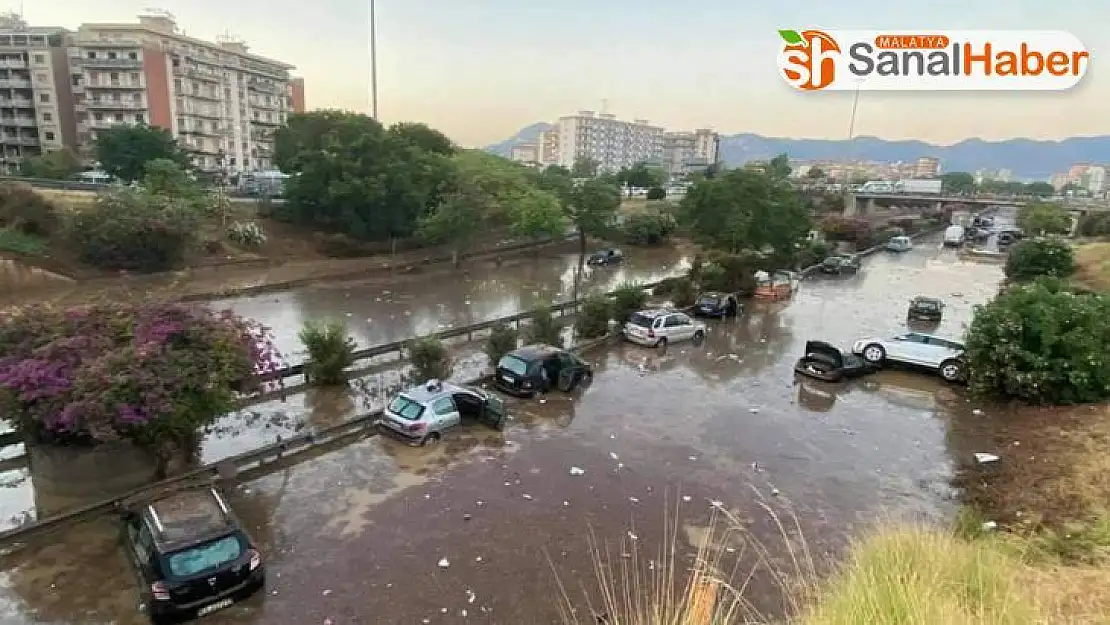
{"x":355,"y":536}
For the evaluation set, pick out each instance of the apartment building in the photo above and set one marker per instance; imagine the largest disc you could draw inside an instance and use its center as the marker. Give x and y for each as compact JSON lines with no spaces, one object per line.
{"x":525,"y":153}
{"x":219,"y":100}
{"x":926,"y":167}
{"x":686,"y":152}
{"x":547,"y":147}
{"x":612,"y":143}
{"x":36,"y":105}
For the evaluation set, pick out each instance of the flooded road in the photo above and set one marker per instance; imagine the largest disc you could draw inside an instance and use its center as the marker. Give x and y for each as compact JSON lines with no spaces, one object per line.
{"x":354,"y":536}
{"x":377,"y":312}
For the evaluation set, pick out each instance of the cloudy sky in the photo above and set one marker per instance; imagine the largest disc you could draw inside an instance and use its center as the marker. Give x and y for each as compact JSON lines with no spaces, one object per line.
{"x":481,"y":69}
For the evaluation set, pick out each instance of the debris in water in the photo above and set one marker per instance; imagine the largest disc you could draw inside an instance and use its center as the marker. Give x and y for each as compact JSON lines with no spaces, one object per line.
{"x":634,"y":500}
{"x":543,"y":401}
{"x":527,"y":496}
{"x":977,"y":412}
{"x":614,"y":456}
{"x":717,"y":503}
{"x":443,"y":563}
{"x":478,"y":559}
{"x":327,"y":592}
{"x":774,"y":492}
{"x":470,"y":596}
{"x":983,"y":458}
{"x":566,"y":504}
{"x":753,"y":410}
{"x":989,"y":525}
{"x":466,"y":517}
{"x":577,"y":471}
{"x":693,"y":457}
{"x":462,"y":612}
{"x":633,"y":536}
{"x":686,"y":498}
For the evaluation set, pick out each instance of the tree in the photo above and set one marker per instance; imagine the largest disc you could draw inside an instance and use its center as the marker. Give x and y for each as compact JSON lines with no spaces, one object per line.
{"x":1043,"y":218}
{"x":352,"y":176}
{"x":124,"y":151}
{"x":816,"y":173}
{"x":643,"y":176}
{"x":746,"y":210}
{"x":584,"y":167}
{"x":592,"y":208}
{"x":779,"y":167}
{"x":958,"y":182}
{"x":55,"y":165}
{"x":424,"y":137}
{"x":1040,"y":189}
{"x":1041,"y":343}
{"x":1035,"y":258}
{"x":657,"y":193}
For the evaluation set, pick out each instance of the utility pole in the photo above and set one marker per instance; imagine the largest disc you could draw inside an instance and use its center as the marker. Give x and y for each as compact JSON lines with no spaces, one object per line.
{"x":851,"y":136}
{"x":373,"y":63}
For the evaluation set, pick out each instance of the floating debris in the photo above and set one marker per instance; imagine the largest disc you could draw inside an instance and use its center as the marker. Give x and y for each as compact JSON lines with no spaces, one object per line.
{"x":717,"y":503}
{"x":983,"y":458}
{"x":444,"y":563}
{"x":686,"y":498}
{"x":634,"y":500}
{"x":577,"y":471}
{"x":977,"y":412}
{"x":327,"y":592}
{"x":632,"y":536}
{"x":470,"y":596}
{"x":527,"y":496}
{"x":753,"y":410}
{"x":614,"y":456}
{"x":989,"y":525}
{"x":693,"y":458}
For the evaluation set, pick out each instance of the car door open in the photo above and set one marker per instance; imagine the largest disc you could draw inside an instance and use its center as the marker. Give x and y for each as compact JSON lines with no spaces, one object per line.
{"x":493,"y":412}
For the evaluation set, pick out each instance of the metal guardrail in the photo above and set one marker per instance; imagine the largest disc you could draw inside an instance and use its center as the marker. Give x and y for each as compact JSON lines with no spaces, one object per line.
{"x":80,"y":185}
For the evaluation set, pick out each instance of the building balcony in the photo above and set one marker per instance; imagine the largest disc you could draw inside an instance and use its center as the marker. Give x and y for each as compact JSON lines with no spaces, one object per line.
{"x":10,"y":83}
{"x":115,"y":105}
{"x":199,"y":74}
{"x":262,"y":122}
{"x":16,"y":103}
{"x":25,"y":141}
{"x":204,"y":96}
{"x":99,"y":63}
{"x":116,"y":84}
{"x":21,"y":122}
{"x":13,"y":64}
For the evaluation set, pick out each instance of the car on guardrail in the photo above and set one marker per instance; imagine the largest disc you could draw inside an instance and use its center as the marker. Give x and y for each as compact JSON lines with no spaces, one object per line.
{"x":533,"y":369}
{"x":421,"y":414}
{"x":917,"y":349}
{"x":190,"y":553}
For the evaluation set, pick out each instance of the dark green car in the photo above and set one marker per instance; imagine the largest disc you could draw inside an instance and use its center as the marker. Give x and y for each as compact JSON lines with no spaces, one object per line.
{"x":840,"y":264}
{"x":925,"y":309}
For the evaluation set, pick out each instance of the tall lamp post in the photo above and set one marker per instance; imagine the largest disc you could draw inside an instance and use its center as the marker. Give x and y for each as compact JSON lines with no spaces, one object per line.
{"x":373,"y":63}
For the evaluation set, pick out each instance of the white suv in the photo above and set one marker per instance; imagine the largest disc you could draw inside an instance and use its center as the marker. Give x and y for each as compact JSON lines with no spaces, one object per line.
{"x":657,"y":327}
{"x":921,"y":350}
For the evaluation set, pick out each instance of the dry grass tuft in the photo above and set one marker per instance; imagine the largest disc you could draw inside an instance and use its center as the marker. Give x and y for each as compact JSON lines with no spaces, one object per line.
{"x":1093,"y":266}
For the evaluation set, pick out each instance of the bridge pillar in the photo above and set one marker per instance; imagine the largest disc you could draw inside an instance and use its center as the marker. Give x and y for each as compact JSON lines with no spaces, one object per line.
{"x":939,"y":207}
{"x":850,"y":205}
{"x":872,"y":207}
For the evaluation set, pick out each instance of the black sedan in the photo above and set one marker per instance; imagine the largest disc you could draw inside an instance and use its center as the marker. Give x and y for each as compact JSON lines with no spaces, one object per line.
{"x":827,"y":363}
{"x":717,"y":305}
{"x":605,"y":257}
{"x":533,"y":369}
{"x":925,"y":309}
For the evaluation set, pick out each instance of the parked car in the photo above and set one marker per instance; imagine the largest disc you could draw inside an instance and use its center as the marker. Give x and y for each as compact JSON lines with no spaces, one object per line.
{"x":658,"y":327}
{"x":605,"y":257}
{"x":421,"y":414}
{"x":840,"y":264}
{"x":534,"y":369}
{"x":190,"y":554}
{"x":827,"y":363}
{"x":925,"y":308}
{"x":945,"y":356}
{"x":899,"y":244}
{"x":954,"y":236}
{"x":717,"y":305}
{"x":1009,"y":236}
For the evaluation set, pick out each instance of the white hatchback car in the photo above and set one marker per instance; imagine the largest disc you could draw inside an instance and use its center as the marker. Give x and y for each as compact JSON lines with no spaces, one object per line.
{"x":917,"y":349}
{"x":657,"y":327}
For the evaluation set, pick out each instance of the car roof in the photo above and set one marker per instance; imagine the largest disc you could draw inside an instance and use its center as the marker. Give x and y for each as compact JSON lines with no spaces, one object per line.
{"x":652,"y":313}
{"x":926,"y":298}
{"x":430,"y":391}
{"x":534,"y":351}
{"x":188,"y":516}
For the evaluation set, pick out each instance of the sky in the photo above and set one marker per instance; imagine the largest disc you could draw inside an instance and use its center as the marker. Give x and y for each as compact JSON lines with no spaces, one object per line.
{"x":479,"y":70}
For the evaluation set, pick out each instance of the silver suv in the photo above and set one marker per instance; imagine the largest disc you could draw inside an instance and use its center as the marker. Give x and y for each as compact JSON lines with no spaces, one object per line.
{"x":657,"y":327}
{"x":942,"y":355}
{"x":420,"y":414}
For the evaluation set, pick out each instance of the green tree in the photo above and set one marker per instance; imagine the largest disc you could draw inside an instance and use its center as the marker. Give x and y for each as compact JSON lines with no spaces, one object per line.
{"x":584,"y":167}
{"x":352,"y":176}
{"x":1043,"y":218}
{"x":1035,"y":258}
{"x":1040,"y":189}
{"x":589,"y":205}
{"x":958,"y":182}
{"x":644,"y":176}
{"x":779,"y":167}
{"x":746,"y":210}
{"x":123,"y":151}
{"x":424,"y":137}
{"x":816,"y":173}
{"x":55,"y":165}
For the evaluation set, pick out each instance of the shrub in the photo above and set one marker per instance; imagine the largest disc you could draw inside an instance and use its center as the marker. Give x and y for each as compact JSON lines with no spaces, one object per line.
{"x":26,"y":211}
{"x":1034,"y":258}
{"x":649,"y":228}
{"x":247,"y":234}
{"x":657,"y":193}
{"x":429,"y":359}
{"x":593,"y":321}
{"x":813,"y":253}
{"x":544,"y":328}
{"x":848,"y":229}
{"x":1042,"y":219}
{"x":503,"y":338}
{"x":627,"y":299}
{"x":134,"y":230}
{"x":330,"y":351}
{"x":731,"y":273}
{"x":1041,"y":343}
{"x":150,"y":373}
{"x":1094,"y":225}
{"x":680,"y":290}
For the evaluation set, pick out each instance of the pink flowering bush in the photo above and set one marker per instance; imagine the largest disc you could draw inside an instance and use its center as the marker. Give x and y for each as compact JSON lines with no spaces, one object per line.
{"x":151,"y":373}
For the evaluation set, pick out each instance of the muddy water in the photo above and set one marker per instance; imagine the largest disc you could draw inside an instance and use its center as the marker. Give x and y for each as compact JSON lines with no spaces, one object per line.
{"x":355,"y":535}
{"x":377,"y":313}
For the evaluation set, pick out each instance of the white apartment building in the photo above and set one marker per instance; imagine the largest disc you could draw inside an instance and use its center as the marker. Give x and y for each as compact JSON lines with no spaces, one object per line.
{"x":35,"y":101}
{"x":547,"y":147}
{"x":525,"y":153}
{"x":685,"y":152}
{"x":221,"y":102}
{"x":611,"y":143}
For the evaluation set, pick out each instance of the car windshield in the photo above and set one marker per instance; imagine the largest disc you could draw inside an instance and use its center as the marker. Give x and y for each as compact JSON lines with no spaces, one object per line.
{"x":513,"y":363}
{"x":927,"y":304}
{"x":709,"y":299}
{"x":205,"y":556}
{"x":406,"y":408}
{"x":640,"y":319}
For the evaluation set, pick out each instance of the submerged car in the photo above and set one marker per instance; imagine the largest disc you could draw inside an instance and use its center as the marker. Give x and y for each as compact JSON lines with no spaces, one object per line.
{"x":825,"y":362}
{"x":190,"y":554}
{"x":533,"y":369}
{"x":899,"y":244}
{"x":420,"y":415}
{"x":718,"y":305}
{"x":840,"y":264}
{"x":939,"y":354}
{"x":659,"y":326}
{"x":1009,"y":236}
{"x":605,"y":257}
{"x":925,"y":309}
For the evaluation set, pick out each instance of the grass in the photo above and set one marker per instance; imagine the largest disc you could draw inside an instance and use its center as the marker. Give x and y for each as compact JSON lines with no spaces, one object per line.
{"x":1093,"y":262}
{"x":19,"y":243}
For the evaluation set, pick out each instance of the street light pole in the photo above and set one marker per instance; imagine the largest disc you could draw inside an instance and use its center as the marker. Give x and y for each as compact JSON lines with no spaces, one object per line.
{"x":373,"y":63}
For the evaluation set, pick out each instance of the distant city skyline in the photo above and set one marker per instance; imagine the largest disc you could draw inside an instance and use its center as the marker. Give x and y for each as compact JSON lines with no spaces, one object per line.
{"x":482,"y":71}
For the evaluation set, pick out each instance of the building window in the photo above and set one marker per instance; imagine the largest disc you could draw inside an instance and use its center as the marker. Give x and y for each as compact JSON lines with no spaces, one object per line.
{"x":114,"y":76}
{"x":134,"y":56}
{"x":92,"y":54}
{"x":111,"y":55}
{"x":98,"y":116}
{"x":44,"y":98}
{"x":47,"y":117}
{"x":40,"y":59}
{"x":139,"y":118}
{"x":94,"y":77}
{"x":49,"y":136}
{"x":119,"y":117}
{"x":137,"y":97}
{"x":134,"y":78}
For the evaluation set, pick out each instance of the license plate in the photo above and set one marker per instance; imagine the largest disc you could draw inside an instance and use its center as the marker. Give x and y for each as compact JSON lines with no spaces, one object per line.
{"x":507,"y":378}
{"x":213,"y":607}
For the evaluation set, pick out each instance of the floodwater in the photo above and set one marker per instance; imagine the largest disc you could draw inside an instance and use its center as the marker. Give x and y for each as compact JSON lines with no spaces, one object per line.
{"x":356,"y":535}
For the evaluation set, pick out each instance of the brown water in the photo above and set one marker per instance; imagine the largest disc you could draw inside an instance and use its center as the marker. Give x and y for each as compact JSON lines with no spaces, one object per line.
{"x":354,"y":536}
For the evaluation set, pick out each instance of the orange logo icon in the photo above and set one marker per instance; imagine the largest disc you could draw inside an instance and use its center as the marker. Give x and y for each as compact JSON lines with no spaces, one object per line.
{"x":808,"y":59}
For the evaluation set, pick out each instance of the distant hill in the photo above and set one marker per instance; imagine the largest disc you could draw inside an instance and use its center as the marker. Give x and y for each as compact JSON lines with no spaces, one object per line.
{"x":1026,"y":158}
{"x":524,"y":135}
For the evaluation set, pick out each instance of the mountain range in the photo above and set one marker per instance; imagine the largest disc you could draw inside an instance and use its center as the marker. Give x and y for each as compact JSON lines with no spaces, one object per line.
{"x":1027,"y":158}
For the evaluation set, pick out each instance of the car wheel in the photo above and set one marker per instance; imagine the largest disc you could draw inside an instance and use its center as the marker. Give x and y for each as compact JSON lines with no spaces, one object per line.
{"x":874,"y":353}
{"x":430,"y":440}
{"x":699,"y":335}
{"x":951,"y":371}
{"x":661,"y":343}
